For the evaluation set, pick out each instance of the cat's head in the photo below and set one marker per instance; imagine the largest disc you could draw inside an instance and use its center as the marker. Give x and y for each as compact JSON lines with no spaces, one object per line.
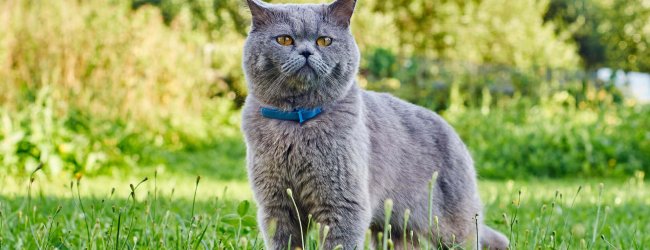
{"x":300,"y":55}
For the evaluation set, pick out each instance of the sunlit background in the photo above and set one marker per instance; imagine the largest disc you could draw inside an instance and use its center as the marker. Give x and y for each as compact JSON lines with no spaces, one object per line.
{"x":541,"y":91}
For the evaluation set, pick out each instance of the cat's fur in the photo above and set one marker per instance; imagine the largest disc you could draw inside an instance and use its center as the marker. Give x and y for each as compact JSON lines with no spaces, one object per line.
{"x":364,"y":148}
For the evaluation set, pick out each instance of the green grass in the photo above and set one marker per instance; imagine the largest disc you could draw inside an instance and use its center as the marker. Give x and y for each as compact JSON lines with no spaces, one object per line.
{"x":165,"y":213}
{"x":105,"y":213}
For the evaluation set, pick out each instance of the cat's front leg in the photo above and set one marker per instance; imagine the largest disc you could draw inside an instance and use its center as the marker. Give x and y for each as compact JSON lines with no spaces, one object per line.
{"x":278,"y":224}
{"x":346,"y":212}
{"x":348,"y":225}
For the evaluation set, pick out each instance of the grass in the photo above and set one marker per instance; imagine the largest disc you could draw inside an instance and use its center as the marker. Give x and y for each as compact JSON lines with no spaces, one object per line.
{"x":176,"y":211}
{"x":102,"y":213}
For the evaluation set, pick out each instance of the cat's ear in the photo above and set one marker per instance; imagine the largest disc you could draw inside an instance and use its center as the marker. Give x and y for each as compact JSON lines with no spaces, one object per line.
{"x":259,"y":10}
{"x":341,"y":11}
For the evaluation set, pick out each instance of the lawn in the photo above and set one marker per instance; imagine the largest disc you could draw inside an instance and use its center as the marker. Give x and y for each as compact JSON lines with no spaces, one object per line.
{"x":172,"y":211}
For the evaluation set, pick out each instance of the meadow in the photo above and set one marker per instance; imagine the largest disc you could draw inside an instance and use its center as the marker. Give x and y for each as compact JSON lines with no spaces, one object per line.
{"x":164,"y":211}
{"x":110,"y":110}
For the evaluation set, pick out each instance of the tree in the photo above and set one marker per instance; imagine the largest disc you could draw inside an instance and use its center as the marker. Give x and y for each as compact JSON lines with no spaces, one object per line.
{"x":609,"y":33}
{"x":489,"y":31}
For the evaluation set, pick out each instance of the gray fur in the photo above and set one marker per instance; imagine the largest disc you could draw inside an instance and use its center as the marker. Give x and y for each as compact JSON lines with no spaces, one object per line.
{"x":364,"y":148}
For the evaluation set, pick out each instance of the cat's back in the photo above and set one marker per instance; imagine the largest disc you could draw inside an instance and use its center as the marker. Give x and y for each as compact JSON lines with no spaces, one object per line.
{"x":409,"y":139}
{"x":389,"y":115}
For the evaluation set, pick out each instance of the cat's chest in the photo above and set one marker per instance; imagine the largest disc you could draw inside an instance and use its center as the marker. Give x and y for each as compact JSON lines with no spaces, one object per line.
{"x":317,"y":145}
{"x":286,"y":141}
{"x":307,"y":159}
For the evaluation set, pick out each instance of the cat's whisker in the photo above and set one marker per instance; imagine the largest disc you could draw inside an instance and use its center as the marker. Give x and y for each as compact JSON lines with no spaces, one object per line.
{"x":277,"y":83}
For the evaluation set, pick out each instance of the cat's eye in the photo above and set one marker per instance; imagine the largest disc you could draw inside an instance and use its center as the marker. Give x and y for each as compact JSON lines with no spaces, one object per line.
{"x":324,"y":41}
{"x":284,"y":40}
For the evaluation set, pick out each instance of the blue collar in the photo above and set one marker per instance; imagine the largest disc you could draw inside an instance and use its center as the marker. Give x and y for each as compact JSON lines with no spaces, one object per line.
{"x":300,"y":115}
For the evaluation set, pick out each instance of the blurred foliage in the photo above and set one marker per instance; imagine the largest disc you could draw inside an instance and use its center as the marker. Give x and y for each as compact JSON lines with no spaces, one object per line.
{"x":579,"y":132}
{"x":478,"y":32}
{"x":428,"y":82}
{"x":224,"y":23}
{"x":209,"y":16}
{"x":111,"y":86}
{"x":609,"y":33}
{"x":91,"y":85}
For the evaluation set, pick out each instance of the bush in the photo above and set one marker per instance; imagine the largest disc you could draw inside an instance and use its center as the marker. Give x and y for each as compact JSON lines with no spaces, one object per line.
{"x":91,"y":85}
{"x":559,"y":137}
{"x":609,"y":33}
{"x":428,"y":82}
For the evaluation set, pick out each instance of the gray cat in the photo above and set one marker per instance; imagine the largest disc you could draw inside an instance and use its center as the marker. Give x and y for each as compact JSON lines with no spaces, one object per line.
{"x":343,"y":151}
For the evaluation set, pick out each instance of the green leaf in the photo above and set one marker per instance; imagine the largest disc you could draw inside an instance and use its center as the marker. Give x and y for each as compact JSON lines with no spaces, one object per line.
{"x":243,"y":207}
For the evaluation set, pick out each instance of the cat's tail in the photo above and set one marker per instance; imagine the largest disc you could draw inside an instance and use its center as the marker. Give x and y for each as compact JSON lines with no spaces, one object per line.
{"x":493,"y":240}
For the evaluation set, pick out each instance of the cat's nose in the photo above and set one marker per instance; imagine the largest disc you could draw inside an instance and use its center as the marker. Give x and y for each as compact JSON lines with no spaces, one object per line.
{"x":306,"y":53}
